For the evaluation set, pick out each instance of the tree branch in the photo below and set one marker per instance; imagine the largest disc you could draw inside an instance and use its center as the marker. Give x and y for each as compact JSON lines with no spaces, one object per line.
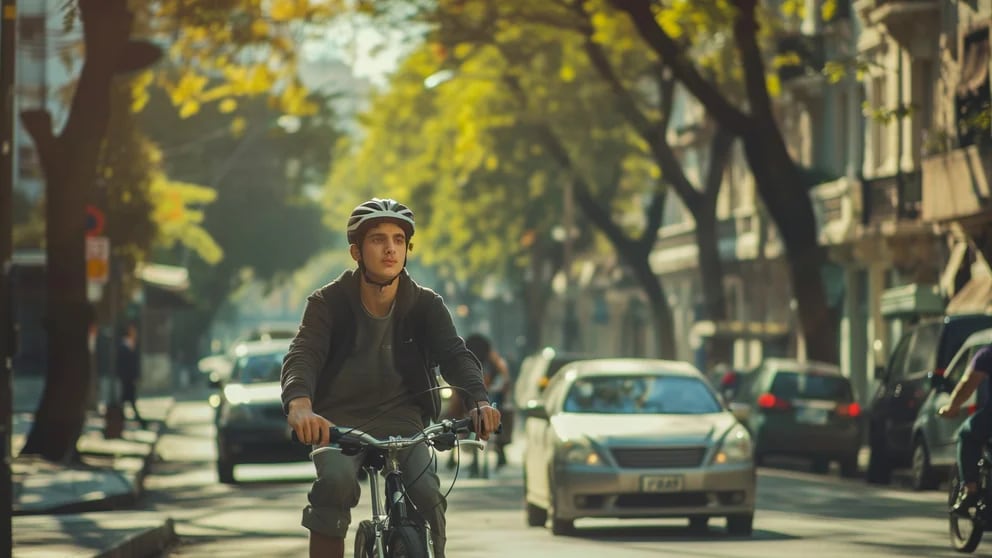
{"x":653,"y":134}
{"x":38,"y":124}
{"x":745,"y":30}
{"x":720,"y":146}
{"x":654,"y":213}
{"x":673,"y":56}
{"x":583,"y":193}
{"x":106,"y":32}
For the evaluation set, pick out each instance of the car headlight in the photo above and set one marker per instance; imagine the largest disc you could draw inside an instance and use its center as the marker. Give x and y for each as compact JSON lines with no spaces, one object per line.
{"x":580,"y":452}
{"x":735,"y":447}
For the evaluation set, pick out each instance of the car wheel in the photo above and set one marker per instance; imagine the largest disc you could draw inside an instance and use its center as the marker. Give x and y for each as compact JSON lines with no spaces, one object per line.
{"x":879,"y":464}
{"x":536,"y":516}
{"x":923,"y":476}
{"x":742,"y":525}
{"x":559,"y":526}
{"x":698,"y":523}
{"x":225,"y":471}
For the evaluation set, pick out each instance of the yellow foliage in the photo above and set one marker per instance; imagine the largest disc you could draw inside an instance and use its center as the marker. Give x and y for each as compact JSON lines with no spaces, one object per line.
{"x":179,"y":223}
{"x":567,"y":73}
{"x":228,"y":106}
{"x":774,"y":85}
{"x":828,"y":9}
{"x":189,"y":108}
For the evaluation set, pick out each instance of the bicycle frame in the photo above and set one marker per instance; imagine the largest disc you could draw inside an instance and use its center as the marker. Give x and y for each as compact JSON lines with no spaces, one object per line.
{"x":384,"y":517}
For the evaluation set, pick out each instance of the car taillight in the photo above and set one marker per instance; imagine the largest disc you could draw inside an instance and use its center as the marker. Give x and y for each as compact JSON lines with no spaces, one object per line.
{"x":769,"y":401}
{"x":971,"y":409}
{"x":939,"y":372}
{"x":852,"y":410}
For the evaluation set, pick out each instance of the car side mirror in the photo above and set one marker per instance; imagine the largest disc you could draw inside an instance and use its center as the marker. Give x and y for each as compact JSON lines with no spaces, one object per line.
{"x":742,"y":411}
{"x":535,"y":409}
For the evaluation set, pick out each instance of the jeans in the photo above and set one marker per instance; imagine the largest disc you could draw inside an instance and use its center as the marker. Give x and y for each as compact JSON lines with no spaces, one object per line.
{"x":972,"y":437}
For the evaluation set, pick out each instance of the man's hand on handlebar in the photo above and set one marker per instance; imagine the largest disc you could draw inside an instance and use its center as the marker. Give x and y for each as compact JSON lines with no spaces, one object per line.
{"x":485,"y":419}
{"x":310,"y":427}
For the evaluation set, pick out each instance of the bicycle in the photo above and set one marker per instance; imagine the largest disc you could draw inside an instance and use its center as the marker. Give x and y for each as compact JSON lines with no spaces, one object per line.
{"x":966,"y":532}
{"x":393,"y":532}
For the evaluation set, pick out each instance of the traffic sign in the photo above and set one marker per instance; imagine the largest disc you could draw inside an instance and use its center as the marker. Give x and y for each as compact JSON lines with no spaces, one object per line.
{"x":95,"y":220}
{"x":97,"y":259}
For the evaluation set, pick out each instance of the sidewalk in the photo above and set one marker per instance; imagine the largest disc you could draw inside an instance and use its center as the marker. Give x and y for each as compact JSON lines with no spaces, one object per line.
{"x":67,"y":510}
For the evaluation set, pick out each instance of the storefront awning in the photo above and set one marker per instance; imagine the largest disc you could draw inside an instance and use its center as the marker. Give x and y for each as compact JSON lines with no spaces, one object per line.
{"x":737,"y":329}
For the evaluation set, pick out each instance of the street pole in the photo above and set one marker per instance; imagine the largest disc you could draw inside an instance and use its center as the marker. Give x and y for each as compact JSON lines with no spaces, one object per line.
{"x":568,"y":216}
{"x":8,"y":26}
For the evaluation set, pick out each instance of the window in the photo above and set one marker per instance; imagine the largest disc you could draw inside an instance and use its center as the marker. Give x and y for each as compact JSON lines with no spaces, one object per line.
{"x":897,"y":363}
{"x":631,"y":395}
{"x":792,"y":385}
{"x":923,"y":352}
{"x":259,"y":368}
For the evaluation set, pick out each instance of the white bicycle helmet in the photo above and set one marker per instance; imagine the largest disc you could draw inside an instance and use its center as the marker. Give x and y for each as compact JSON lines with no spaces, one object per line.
{"x":379,"y":208}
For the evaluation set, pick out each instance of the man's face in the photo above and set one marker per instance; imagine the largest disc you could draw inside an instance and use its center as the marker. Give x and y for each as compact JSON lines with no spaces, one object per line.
{"x":383,"y":251}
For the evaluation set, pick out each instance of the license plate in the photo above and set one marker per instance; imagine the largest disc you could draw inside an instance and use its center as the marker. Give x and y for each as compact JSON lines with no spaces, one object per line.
{"x":811,"y":415}
{"x":661,"y":483}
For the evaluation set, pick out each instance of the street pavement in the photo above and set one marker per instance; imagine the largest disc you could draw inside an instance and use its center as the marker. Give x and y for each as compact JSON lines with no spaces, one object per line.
{"x":172,"y":505}
{"x":798,"y":512}
{"x":75,"y":509}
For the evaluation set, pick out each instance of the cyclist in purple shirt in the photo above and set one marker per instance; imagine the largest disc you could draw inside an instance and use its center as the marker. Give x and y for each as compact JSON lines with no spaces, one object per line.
{"x":976,"y":430}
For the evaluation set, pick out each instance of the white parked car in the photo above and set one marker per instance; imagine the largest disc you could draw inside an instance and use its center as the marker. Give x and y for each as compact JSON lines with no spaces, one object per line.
{"x":934,"y":437}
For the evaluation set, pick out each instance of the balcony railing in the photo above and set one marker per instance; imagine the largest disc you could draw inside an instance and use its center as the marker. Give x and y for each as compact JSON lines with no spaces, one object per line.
{"x":892,"y":198}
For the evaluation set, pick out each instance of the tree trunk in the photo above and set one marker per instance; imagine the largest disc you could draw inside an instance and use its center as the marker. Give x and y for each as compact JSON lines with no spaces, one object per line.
{"x":69,"y":162}
{"x":711,"y":278}
{"x":661,"y":314}
{"x":784,"y":193}
{"x":779,"y":182}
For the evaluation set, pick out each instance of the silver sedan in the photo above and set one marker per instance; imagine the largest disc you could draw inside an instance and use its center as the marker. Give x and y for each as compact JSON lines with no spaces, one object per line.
{"x":635,"y":438}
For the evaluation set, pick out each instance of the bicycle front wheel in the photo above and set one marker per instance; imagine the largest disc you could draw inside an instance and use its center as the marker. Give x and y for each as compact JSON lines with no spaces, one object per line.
{"x":406,"y":541}
{"x":365,"y":540}
{"x":966,"y":532}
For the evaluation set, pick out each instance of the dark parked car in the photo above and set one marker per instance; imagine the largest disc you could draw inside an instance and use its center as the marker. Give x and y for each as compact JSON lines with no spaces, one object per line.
{"x":925,"y":349}
{"x":251,"y":424}
{"x":801,"y":409}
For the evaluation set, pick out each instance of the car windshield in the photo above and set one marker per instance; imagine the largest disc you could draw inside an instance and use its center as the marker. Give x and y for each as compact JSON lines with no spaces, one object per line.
{"x":632,"y":395}
{"x":254,"y":369}
{"x":793,"y":385}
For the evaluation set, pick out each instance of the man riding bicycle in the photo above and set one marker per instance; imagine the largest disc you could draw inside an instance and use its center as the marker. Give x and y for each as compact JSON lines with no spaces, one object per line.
{"x":976,"y":430}
{"x":363,"y":358}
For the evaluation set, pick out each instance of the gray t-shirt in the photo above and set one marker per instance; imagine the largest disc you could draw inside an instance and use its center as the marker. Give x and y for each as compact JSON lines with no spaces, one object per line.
{"x":368,"y":393}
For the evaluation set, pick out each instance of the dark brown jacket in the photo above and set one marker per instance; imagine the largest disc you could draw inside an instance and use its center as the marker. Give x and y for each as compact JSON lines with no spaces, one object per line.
{"x":424,"y":335}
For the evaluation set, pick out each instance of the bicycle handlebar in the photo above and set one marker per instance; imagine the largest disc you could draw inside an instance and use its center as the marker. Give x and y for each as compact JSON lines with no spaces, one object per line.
{"x":352,"y":438}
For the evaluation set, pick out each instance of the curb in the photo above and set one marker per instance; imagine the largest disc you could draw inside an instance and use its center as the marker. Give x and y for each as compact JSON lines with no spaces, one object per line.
{"x":146,"y":544}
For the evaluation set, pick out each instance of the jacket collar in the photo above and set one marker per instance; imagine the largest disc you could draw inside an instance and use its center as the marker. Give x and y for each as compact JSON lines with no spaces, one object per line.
{"x":405,"y":293}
